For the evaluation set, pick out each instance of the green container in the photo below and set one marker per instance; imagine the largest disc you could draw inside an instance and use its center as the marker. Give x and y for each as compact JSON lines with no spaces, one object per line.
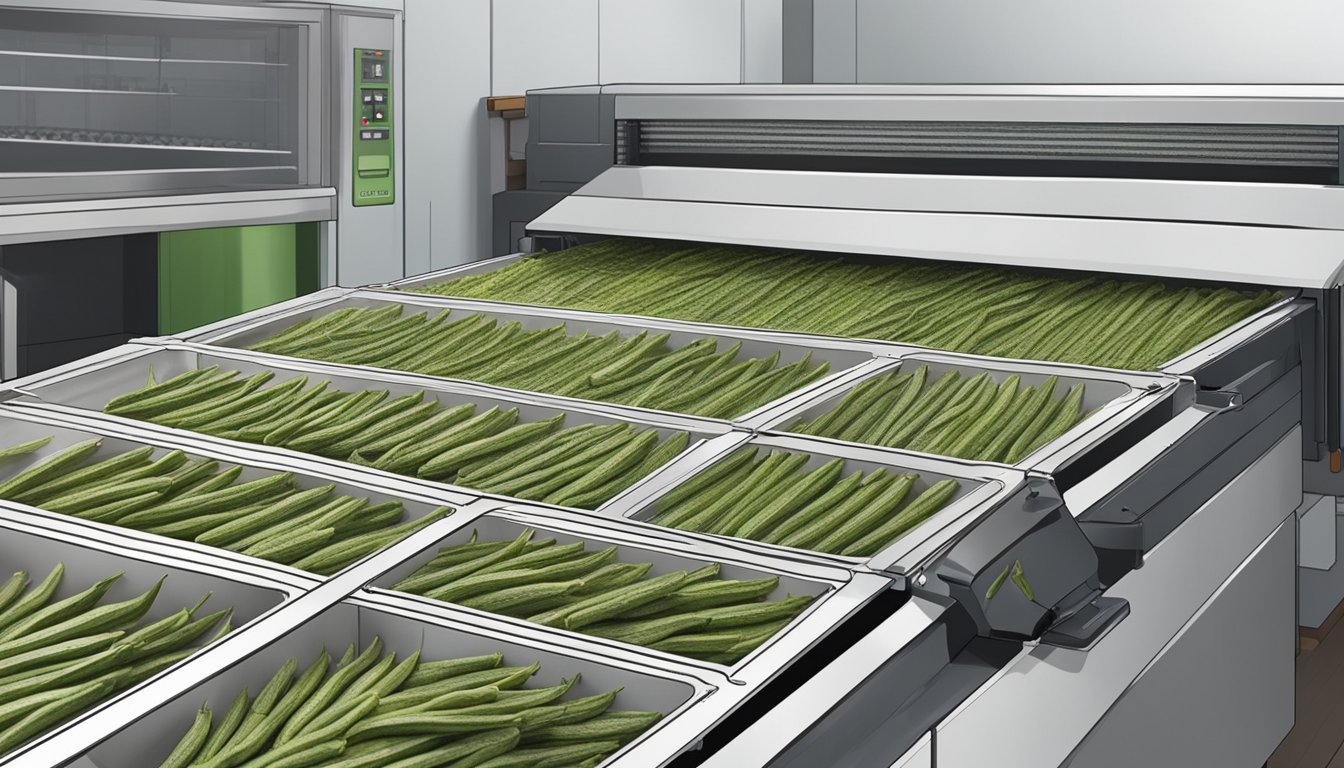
{"x":207,"y":275}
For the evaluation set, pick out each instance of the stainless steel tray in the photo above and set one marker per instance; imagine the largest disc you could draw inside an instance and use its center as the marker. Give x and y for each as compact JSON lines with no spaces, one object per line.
{"x":317,"y":298}
{"x":85,"y":391}
{"x":358,"y":620}
{"x":844,"y":357}
{"x":1111,"y":398}
{"x":13,"y":388}
{"x":983,"y":488}
{"x":1232,"y":337}
{"x":19,"y":425}
{"x":37,"y":545}
{"x":839,"y":592}
{"x":452,"y":273}
{"x":1180,"y":365}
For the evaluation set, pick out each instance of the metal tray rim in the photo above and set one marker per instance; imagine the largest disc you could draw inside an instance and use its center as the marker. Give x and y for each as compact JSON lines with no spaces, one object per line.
{"x":903,"y":557}
{"x":810,"y":625}
{"x":17,"y":520}
{"x":1143,"y":393}
{"x":1233,"y":336}
{"x":1230,"y":336}
{"x":37,"y":402}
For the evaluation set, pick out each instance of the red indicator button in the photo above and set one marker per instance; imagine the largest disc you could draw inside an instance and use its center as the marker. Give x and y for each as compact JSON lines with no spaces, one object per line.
{"x":363,"y":121}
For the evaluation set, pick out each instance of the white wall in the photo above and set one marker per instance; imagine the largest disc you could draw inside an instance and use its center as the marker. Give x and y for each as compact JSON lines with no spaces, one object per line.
{"x":546,"y":43}
{"x":663,"y":41}
{"x":542,"y":44}
{"x":458,"y":52}
{"x":1137,"y":41}
{"x":447,"y":169}
{"x":762,"y":41}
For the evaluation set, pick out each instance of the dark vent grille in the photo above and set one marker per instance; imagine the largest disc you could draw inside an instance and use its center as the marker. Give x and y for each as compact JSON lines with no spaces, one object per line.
{"x":894,"y":146}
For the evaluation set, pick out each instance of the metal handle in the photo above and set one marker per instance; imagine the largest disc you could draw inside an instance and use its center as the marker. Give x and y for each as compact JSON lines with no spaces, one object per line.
{"x":1088,"y":626}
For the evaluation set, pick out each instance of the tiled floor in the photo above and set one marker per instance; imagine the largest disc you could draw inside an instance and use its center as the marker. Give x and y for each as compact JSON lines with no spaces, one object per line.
{"x":1317,"y":739}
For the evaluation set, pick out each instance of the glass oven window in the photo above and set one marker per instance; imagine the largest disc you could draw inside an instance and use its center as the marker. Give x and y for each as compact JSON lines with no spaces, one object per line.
{"x":184,"y":103}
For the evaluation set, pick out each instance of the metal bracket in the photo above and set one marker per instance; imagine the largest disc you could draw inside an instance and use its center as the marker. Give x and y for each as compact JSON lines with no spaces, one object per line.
{"x":1021,"y":568}
{"x":1087,"y":626}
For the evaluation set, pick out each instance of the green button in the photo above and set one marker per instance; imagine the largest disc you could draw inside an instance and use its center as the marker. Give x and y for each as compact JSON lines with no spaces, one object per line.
{"x":374,"y":165}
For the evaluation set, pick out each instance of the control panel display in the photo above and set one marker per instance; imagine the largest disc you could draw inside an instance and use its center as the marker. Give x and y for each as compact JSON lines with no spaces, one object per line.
{"x":374,"y":181}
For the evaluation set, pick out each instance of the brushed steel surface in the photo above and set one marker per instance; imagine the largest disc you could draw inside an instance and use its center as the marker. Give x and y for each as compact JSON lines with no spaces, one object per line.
{"x":1072,"y":690}
{"x":771,"y":735}
{"x":1213,"y":252}
{"x":1288,"y":205}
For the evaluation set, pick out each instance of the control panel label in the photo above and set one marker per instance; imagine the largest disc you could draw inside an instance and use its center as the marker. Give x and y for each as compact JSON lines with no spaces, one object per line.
{"x":373,"y":144}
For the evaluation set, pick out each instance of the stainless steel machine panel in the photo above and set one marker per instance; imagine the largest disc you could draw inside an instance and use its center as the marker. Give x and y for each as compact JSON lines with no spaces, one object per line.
{"x":158,"y":96}
{"x":1180,"y":576}
{"x":1217,"y":252}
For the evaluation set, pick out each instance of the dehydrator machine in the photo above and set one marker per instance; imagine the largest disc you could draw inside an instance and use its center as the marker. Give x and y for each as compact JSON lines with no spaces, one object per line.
{"x":1151,"y":615}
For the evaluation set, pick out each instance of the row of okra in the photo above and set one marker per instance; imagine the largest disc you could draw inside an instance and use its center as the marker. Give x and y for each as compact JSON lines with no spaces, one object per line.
{"x":74,"y":638}
{"x":612,"y":590}
{"x":964,"y":414}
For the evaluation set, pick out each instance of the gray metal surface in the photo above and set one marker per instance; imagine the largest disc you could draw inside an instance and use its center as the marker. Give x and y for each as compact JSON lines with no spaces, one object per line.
{"x":9,"y":329}
{"x":1133,"y":103}
{"x":918,"y":756}
{"x":37,"y":548}
{"x":839,"y":592}
{"x":302,"y":108}
{"x":19,"y":425}
{"x":85,"y":390}
{"x":34,"y":222}
{"x":1316,"y":534}
{"x":1154,"y":486}
{"x":1292,"y":205}
{"x":768,"y":741}
{"x":571,"y":137}
{"x":1177,"y":580}
{"x":319,"y":298}
{"x":1040,"y":41}
{"x":1320,"y":590}
{"x":1111,"y":398}
{"x":983,"y":488}
{"x":1212,"y":252}
{"x":1204,"y":701}
{"x":451,"y":273}
{"x":736,"y":141}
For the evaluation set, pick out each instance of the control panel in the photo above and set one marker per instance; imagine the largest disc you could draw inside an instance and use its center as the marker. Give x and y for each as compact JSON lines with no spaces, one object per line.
{"x":374,"y":181}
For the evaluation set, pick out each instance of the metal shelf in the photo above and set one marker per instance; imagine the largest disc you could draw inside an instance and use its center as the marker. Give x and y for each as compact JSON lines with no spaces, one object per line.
{"x":140,"y":59}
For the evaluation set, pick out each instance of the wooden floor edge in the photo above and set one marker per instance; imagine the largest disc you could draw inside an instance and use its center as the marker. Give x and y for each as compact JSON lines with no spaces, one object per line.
{"x":1310,"y":637}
